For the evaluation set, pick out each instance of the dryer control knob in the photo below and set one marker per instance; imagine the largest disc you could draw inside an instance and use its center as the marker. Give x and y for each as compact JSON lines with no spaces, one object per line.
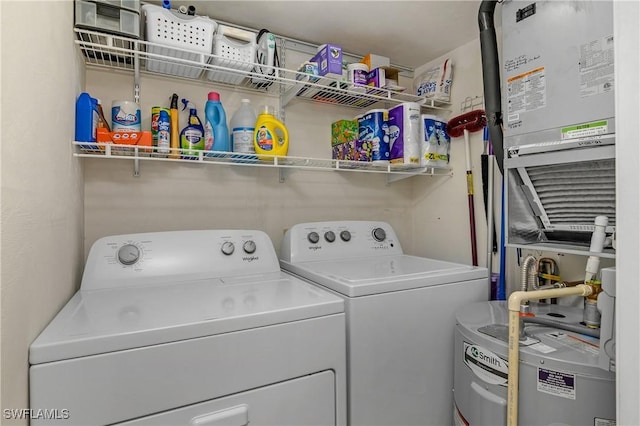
{"x":228,"y":248}
{"x":313,"y":237}
{"x":379,"y":234}
{"x":330,"y":236}
{"x":345,"y":236}
{"x":249,"y":247}
{"x":128,"y":254}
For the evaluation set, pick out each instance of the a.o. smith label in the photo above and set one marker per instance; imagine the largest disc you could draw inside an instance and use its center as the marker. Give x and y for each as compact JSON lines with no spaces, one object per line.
{"x":485,"y":364}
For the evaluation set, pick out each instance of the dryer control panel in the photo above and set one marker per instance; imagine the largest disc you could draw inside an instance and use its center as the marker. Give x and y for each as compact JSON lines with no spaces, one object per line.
{"x":157,"y":257}
{"x":339,"y":240}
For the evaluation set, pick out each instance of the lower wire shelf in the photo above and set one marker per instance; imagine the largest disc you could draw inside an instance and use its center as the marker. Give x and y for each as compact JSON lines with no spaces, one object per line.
{"x":137,"y":153}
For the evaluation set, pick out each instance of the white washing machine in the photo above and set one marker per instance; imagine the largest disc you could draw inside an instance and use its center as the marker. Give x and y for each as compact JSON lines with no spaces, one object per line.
{"x":191,"y":328}
{"x":400,"y":317}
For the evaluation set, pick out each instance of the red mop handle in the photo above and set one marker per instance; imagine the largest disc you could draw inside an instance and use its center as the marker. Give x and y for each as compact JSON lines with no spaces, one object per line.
{"x":472,"y":222}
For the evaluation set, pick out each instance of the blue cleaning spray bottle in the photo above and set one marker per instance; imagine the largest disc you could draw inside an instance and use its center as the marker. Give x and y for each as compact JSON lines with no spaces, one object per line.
{"x":192,"y":135}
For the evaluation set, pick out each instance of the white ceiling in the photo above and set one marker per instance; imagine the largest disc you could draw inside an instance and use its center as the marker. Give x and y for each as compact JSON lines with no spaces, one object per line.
{"x":410,"y":33}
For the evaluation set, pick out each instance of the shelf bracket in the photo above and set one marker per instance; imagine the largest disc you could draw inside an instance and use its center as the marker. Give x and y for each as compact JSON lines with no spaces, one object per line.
{"x":282,"y":175}
{"x":136,"y":164}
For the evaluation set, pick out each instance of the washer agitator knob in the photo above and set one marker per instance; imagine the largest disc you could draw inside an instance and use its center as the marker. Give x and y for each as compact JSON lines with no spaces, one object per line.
{"x":345,"y":236}
{"x":379,"y":234}
{"x":249,"y":246}
{"x":313,"y":237}
{"x":330,"y":236}
{"x":128,"y":254}
{"x":228,"y":248}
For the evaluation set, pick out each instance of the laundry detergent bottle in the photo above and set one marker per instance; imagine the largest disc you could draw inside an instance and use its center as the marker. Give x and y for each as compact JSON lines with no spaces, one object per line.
{"x":270,"y":136}
{"x":243,"y":126}
{"x":216,"y":132}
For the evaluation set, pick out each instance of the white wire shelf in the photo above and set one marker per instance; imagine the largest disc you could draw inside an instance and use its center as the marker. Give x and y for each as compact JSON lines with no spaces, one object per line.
{"x":116,"y":52}
{"x":147,"y":153}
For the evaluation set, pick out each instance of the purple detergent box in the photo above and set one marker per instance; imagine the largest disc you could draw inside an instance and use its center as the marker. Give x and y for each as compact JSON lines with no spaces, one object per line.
{"x":329,"y":60}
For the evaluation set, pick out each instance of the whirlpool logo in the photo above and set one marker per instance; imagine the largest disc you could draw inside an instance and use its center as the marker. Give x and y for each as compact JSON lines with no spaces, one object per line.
{"x":250,"y":258}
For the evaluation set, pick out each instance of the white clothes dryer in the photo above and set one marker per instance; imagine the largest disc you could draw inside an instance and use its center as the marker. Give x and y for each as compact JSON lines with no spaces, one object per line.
{"x":191,"y":327}
{"x":400,"y":317}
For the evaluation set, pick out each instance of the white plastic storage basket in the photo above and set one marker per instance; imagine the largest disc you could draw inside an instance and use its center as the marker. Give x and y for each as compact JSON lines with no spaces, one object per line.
{"x":179,"y":36}
{"x":233,"y":48}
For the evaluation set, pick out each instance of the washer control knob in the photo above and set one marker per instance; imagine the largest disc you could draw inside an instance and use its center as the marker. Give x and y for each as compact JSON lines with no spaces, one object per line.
{"x":128,"y":254}
{"x":345,"y":236}
{"x":330,"y":236}
{"x":228,"y":248}
{"x":379,"y":234}
{"x":313,"y":237}
{"x":249,"y":246}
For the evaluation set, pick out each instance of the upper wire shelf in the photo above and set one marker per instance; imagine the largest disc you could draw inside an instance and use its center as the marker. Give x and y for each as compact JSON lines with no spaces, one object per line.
{"x":117,"y":52}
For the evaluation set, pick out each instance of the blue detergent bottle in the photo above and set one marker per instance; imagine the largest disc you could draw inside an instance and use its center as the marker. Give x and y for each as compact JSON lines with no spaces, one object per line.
{"x":216,"y":132}
{"x":86,"y":118}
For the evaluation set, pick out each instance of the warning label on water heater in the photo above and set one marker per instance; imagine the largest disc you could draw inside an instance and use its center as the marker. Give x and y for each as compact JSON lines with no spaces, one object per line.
{"x":526,"y":92}
{"x":557,"y":383}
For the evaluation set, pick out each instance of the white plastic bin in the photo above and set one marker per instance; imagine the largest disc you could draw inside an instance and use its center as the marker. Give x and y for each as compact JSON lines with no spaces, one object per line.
{"x":177,"y":36}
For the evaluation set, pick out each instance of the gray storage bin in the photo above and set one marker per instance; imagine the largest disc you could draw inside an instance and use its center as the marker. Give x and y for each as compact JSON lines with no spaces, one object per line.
{"x":105,"y":17}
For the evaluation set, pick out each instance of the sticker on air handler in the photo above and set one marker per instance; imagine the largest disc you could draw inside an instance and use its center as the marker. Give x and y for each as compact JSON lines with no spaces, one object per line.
{"x":526,"y":92}
{"x":486,"y":365}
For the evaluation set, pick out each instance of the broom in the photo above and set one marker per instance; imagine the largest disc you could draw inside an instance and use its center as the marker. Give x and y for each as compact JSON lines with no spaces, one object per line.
{"x":462,"y":125}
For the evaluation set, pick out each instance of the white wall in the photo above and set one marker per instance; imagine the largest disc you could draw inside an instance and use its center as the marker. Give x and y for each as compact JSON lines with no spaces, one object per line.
{"x":626,"y":16}
{"x":41,"y":191}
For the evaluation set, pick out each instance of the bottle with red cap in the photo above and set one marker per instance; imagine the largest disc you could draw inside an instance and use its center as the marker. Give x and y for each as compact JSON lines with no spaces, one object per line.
{"x":216,"y":132}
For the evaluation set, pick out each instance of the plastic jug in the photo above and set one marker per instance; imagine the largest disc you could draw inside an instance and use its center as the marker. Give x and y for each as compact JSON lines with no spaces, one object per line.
{"x":216,"y":132}
{"x":86,"y":118}
{"x":243,"y":124}
{"x":271,"y":136}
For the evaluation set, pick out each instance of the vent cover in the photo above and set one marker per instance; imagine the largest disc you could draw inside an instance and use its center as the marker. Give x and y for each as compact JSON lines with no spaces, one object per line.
{"x":559,"y":202}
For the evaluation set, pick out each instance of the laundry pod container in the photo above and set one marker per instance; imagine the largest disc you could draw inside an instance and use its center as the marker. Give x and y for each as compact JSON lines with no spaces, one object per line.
{"x":560,"y":380}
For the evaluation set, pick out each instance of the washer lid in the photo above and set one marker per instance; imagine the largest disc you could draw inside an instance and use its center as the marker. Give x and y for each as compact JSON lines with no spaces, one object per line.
{"x":99,"y":321}
{"x":374,"y":275}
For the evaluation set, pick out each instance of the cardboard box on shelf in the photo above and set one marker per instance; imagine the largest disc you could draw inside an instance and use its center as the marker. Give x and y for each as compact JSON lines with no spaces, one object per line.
{"x":375,"y":61}
{"x":329,"y":60}
{"x":383,"y":77}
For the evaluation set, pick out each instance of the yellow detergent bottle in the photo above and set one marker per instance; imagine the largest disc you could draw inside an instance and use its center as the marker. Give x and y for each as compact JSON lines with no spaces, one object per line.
{"x":270,"y":136}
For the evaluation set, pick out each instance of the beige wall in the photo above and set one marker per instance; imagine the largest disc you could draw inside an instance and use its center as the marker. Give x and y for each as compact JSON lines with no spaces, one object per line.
{"x":196,"y":196}
{"x":41,"y":242}
{"x":441,"y":215}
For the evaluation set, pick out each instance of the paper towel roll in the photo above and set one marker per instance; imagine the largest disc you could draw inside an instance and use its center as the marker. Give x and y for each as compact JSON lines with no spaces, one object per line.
{"x":404,"y":133}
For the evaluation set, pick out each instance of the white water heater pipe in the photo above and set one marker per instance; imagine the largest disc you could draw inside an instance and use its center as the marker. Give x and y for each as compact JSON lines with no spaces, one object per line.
{"x":515,"y":300}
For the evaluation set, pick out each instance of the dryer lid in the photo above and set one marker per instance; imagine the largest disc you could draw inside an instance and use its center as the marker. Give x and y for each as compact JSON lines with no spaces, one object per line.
{"x":374,"y":275}
{"x":100,"y":321}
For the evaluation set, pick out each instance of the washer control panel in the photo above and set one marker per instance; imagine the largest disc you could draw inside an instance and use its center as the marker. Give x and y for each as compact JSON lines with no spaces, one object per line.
{"x":136,"y":259}
{"x":336,"y":240}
